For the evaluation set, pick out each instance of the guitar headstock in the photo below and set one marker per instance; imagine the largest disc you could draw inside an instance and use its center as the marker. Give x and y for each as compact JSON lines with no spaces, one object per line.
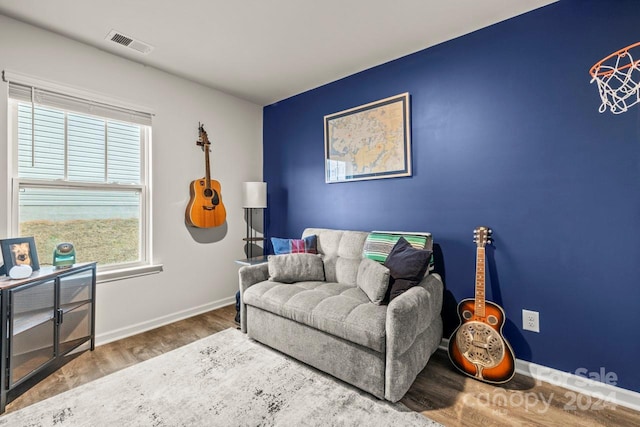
{"x":482,"y":236}
{"x":203,"y":139}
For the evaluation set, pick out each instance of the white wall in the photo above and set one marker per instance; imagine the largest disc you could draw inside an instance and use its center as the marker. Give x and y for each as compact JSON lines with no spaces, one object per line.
{"x":199,"y":269}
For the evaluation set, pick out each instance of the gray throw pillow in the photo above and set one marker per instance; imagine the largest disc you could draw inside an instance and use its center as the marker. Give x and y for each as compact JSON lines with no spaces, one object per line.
{"x":373,"y":279}
{"x":290,"y":268}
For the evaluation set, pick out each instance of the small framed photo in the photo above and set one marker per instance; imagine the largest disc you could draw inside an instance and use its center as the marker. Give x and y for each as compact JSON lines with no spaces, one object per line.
{"x":19,"y":251}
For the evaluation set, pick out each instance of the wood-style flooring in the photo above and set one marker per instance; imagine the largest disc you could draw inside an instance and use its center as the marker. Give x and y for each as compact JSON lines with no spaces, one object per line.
{"x":439,"y":392}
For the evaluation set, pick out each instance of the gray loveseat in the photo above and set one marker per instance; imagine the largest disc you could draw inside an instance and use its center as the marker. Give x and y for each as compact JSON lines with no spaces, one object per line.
{"x":333,"y":326}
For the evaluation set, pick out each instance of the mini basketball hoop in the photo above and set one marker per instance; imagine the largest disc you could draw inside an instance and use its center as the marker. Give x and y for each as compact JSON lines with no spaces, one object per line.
{"x":618,"y":78}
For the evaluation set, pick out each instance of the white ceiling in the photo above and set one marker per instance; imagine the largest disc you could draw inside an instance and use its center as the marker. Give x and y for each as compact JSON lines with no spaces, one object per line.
{"x":266,"y":50}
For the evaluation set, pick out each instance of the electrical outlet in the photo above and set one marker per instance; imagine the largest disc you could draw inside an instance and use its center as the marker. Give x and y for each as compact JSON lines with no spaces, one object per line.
{"x":530,"y":320}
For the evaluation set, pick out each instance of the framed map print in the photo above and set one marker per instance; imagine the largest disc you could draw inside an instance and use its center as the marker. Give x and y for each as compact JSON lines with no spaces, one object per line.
{"x":371,"y":141}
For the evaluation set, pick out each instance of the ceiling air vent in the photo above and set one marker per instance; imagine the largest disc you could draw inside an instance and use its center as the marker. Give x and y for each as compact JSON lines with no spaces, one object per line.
{"x":129,"y":42}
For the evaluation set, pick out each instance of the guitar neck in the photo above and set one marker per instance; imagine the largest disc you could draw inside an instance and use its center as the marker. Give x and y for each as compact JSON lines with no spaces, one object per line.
{"x":480,"y":288}
{"x":207,"y":172}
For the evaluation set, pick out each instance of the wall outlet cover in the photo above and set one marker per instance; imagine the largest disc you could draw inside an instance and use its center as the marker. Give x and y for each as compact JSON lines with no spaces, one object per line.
{"x":530,"y":320}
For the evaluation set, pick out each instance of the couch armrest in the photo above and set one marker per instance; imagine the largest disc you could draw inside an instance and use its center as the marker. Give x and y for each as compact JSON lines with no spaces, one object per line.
{"x":248,"y":276}
{"x":411,"y":313}
{"x":413,"y":327}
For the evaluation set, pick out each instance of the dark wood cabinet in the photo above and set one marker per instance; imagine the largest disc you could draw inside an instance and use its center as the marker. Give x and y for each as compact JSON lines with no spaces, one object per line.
{"x":47,"y":319}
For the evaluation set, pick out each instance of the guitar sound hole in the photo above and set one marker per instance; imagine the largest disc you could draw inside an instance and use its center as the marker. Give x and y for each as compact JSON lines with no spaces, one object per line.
{"x":492,"y":320}
{"x":208,"y":192}
{"x":467,"y":314}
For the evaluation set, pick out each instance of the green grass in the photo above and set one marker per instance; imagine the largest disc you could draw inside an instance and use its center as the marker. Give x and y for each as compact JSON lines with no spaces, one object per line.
{"x":107,"y":241}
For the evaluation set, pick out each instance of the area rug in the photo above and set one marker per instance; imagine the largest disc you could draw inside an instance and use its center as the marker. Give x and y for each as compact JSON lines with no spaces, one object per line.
{"x":225,"y":379}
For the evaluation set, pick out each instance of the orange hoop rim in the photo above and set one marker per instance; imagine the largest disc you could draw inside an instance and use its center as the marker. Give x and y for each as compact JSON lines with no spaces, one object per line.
{"x":594,"y":71}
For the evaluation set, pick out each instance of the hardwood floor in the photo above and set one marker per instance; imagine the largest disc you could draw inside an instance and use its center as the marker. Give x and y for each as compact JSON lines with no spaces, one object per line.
{"x":439,"y":392}
{"x":446,"y":396}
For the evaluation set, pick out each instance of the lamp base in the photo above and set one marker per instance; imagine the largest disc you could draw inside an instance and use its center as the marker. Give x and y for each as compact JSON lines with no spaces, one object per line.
{"x":251,"y":234}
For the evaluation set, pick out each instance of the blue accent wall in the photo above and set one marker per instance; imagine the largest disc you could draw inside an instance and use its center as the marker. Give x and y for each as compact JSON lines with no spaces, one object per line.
{"x":505,"y":133}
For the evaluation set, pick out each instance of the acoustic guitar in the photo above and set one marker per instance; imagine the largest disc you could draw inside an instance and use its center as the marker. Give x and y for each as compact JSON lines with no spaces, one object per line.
{"x":477,"y":347}
{"x":205,"y":208}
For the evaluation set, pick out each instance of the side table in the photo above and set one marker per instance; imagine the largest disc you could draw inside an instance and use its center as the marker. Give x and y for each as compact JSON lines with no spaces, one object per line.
{"x":254,"y":260}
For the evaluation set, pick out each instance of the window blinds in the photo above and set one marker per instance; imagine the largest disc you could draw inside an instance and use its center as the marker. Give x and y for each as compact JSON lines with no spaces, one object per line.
{"x":53,"y":99}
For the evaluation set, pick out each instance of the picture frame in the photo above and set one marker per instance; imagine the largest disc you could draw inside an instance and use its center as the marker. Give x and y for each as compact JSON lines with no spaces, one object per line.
{"x":19,"y":251}
{"x":371,"y":141}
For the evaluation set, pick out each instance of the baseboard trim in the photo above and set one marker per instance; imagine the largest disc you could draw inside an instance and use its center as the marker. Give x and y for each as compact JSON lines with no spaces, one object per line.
{"x":117,"y":334}
{"x":596,"y":390}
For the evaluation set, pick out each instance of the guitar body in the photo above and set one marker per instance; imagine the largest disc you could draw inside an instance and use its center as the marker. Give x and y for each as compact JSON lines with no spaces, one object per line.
{"x":205,"y":208}
{"x":478,"y":348}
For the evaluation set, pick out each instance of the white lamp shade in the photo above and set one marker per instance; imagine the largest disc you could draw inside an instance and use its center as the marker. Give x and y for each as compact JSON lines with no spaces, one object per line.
{"x":254,"y":194}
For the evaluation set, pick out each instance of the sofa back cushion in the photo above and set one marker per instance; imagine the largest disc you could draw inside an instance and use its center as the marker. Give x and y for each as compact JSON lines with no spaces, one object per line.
{"x":341,"y":252}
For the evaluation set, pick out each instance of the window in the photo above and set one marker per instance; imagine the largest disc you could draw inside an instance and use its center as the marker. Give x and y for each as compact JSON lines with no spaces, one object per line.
{"x":80,"y":175}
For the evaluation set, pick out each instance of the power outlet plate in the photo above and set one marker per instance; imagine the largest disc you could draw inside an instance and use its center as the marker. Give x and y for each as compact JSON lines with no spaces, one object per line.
{"x":530,"y":321}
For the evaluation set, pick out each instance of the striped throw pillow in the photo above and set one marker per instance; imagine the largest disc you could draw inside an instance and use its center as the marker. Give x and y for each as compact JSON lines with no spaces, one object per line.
{"x":378,"y":244}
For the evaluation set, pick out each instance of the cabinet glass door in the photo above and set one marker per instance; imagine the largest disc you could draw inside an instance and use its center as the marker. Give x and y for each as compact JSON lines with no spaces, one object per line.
{"x":75,"y":309}
{"x":31,"y":329}
{"x":75,"y":328}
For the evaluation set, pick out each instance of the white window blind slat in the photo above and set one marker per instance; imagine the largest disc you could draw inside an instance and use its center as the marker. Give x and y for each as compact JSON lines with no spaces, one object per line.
{"x":122,"y":149}
{"x":40,"y":157}
{"x":20,"y":92}
{"x":71,"y":103}
{"x":92,"y":146}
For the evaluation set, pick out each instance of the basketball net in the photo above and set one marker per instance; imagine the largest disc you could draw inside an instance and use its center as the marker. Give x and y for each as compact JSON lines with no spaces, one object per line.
{"x":618,"y":79}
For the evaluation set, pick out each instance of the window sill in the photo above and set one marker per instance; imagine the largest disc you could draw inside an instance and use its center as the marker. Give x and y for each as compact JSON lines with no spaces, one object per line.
{"x":127,"y":273}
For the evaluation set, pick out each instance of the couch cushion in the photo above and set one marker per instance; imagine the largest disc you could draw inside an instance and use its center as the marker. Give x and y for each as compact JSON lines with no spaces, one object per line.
{"x":341,"y":252}
{"x":337,"y":309}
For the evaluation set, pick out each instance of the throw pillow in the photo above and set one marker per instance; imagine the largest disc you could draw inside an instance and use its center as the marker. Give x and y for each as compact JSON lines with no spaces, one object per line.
{"x":373,"y":279}
{"x":294,"y":246}
{"x":398,"y":287}
{"x":407,"y":266}
{"x":290,"y":268}
{"x":378,"y":244}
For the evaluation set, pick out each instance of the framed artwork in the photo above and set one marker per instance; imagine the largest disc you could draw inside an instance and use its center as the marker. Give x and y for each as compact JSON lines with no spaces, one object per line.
{"x":19,"y":251}
{"x":371,"y":141}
